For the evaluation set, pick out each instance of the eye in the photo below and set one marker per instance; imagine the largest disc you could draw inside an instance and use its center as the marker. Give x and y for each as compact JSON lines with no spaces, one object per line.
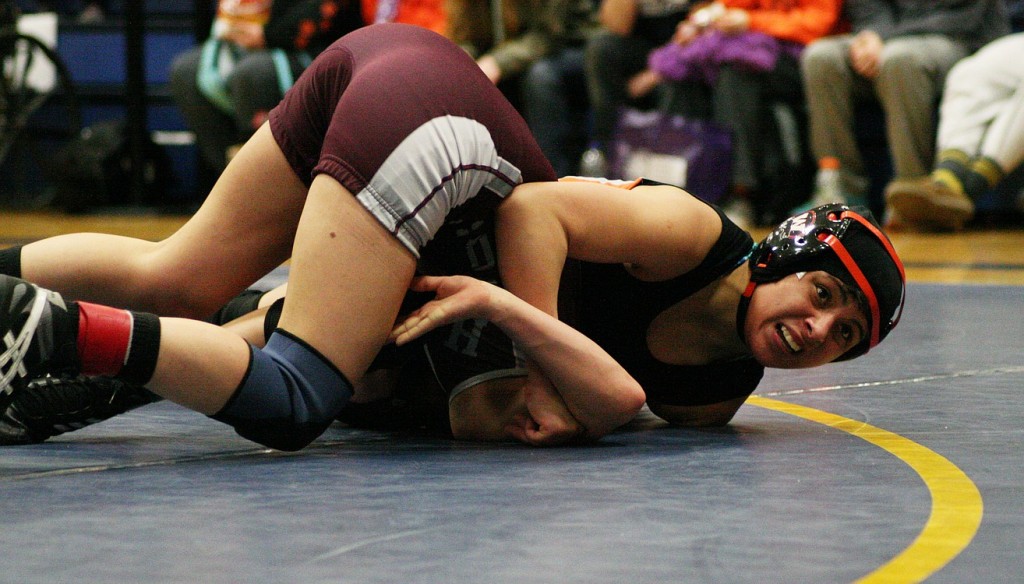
{"x":846,"y":332}
{"x":823,"y":293}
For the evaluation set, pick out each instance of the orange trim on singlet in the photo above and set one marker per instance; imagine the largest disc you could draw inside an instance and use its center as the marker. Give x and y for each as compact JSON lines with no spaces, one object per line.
{"x":619,"y":184}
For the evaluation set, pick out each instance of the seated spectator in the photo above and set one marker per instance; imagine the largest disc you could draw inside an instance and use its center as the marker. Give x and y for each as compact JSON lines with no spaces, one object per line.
{"x":631,"y":30}
{"x":740,"y":55}
{"x":504,"y":44}
{"x":555,"y":89}
{"x":429,"y":14}
{"x":980,"y":140}
{"x":226,"y":86}
{"x":899,"y":53}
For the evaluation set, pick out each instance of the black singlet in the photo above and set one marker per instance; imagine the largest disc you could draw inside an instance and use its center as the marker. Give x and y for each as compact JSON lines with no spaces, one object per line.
{"x":603,"y":304}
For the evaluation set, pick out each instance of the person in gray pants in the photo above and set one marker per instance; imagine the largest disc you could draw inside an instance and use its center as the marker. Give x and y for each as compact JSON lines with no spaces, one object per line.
{"x":898,"y":52}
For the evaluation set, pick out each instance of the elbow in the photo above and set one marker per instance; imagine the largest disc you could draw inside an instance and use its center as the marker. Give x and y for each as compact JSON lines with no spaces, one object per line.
{"x":629,"y":401}
{"x":634,"y":400}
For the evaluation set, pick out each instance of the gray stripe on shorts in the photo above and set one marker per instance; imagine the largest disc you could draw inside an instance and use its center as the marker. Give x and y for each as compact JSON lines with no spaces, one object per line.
{"x":439,"y":166}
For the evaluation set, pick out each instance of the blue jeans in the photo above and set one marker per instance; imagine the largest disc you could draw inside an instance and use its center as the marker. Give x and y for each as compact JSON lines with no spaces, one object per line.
{"x":555,"y":100}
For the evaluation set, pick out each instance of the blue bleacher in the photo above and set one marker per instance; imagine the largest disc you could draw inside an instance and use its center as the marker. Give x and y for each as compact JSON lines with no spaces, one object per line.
{"x":96,"y":59}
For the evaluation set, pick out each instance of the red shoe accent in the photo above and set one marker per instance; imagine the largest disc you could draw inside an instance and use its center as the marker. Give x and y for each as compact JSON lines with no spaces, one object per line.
{"x":104,"y":336}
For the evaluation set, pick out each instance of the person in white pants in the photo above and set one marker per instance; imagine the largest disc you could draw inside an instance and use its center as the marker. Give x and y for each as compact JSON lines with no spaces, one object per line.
{"x":980,"y":139}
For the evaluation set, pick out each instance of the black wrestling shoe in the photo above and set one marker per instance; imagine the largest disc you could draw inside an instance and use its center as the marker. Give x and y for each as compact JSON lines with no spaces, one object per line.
{"x":51,"y":406}
{"x":21,"y":308}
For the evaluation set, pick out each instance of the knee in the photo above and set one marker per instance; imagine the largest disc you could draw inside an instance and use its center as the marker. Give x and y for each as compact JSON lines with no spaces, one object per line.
{"x":252,"y":75}
{"x":823,"y":58}
{"x":601,"y":50}
{"x":289,"y":396}
{"x":540,"y":86}
{"x":168,"y":287}
{"x":542,"y":75}
{"x":184,"y":69}
{"x":898,"y":61}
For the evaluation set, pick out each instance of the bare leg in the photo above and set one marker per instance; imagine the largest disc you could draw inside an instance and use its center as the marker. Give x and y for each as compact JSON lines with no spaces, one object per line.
{"x":348,"y":277}
{"x":243,"y":230}
{"x":347,"y":281}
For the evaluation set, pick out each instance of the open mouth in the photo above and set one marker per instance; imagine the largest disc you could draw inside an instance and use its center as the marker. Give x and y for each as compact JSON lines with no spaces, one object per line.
{"x":788,"y":339}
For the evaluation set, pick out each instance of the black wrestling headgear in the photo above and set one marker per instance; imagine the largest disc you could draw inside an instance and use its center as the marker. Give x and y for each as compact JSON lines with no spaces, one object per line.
{"x":849,"y":245}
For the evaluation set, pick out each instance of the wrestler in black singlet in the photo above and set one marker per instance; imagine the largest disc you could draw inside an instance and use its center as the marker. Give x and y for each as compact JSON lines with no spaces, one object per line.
{"x":601,"y":303}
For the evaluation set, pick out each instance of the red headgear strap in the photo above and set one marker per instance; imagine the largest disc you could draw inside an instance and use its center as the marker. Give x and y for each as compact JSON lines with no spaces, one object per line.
{"x":892,"y":254}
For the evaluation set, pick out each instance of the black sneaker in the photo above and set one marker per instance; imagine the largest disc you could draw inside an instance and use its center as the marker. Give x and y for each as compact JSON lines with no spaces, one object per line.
{"x":21,"y":308}
{"x":51,"y":406}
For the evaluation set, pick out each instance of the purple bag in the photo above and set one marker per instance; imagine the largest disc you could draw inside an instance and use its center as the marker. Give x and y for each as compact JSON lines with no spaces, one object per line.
{"x":693,"y":154}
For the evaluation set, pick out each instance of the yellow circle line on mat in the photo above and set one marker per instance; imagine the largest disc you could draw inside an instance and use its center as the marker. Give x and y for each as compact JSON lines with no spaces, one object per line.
{"x":957,"y":506}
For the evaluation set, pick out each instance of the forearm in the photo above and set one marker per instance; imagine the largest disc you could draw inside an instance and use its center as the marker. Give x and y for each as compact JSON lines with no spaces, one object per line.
{"x":596,"y":390}
{"x":618,"y":16}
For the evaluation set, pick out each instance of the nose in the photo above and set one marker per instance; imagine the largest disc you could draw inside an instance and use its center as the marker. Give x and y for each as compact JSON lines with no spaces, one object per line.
{"x":818,"y":326}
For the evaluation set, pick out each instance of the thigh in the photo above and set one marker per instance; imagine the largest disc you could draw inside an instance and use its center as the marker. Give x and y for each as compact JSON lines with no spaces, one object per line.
{"x":243,"y":230}
{"x":255,"y":84}
{"x":348,"y":277}
{"x":931,"y":55}
{"x":826,"y":56}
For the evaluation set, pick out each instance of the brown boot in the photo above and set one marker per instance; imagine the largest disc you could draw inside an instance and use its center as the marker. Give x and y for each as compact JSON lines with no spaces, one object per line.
{"x":929,"y":204}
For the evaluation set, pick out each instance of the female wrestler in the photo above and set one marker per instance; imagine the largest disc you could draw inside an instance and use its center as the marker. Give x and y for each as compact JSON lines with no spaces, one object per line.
{"x":825,"y":285}
{"x":382,"y":137}
{"x":371,"y":157}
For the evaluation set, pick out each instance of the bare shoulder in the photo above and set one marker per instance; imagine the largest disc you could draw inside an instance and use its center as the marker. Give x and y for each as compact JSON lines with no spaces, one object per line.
{"x":683,"y":231}
{"x":659,"y":231}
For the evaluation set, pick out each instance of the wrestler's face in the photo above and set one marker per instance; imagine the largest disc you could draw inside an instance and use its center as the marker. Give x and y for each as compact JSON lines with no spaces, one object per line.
{"x":803,"y":320}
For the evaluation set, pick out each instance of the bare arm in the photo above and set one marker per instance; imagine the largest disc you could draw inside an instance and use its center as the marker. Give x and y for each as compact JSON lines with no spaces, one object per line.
{"x":597,"y":391}
{"x":618,"y":16}
{"x":658,"y":231}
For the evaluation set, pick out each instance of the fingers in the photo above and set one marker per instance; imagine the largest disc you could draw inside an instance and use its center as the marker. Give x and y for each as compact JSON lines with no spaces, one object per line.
{"x":425,"y":283}
{"x":526,"y":430}
{"x":456,"y":298}
{"x":418,"y":323}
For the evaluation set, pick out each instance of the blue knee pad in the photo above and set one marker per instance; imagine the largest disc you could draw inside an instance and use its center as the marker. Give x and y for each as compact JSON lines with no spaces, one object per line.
{"x":289,"y":395}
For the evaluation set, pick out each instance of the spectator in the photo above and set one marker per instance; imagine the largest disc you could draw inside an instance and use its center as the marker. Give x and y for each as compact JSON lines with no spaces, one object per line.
{"x":555,"y":89}
{"x":429,"y":14}
{"x":632,"y":29}
{"x":899,"y":52}
{"x":504,"y":43}
{"x":740,"y":55}
{"x":226,"y":86}
{"x":980,"y":140}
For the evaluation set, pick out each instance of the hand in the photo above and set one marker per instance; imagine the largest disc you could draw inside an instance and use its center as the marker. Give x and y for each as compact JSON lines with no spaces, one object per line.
{"x":247,"y":35}
{"x":733,"y":21}
{"x":686,"y":31}
{"x":457,"y":298}
{"x":866,"y":53}
{"x":547,"y":421}
{"x":642,"y":83}
{"x":489,"y":65}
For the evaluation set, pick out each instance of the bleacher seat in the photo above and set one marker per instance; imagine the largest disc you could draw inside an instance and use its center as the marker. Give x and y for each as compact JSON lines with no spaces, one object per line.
{"x":95,"y":56}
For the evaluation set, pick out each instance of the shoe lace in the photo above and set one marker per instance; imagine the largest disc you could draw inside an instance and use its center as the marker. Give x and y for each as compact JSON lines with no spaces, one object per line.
{"x":12,"y":359}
